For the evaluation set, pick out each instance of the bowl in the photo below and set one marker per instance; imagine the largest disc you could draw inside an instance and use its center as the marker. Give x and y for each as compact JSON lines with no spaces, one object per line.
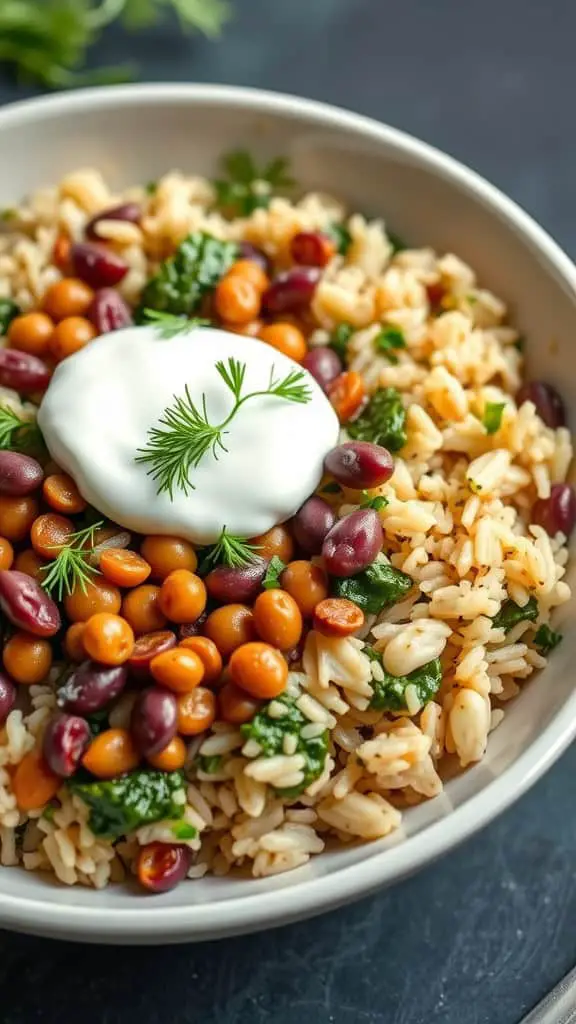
{"x":133,"y":133}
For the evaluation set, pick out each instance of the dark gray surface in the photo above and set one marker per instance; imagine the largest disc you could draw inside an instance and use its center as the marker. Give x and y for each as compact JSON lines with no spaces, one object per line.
{"x":481,"y":936}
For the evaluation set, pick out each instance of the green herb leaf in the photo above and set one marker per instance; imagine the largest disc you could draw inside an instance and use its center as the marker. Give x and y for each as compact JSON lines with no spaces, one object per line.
{"x":492,"y":417}
{"x":97,"y":720}
{"x":8,"y":310}
{"x":511,"y":613}
{"x":331,"y":488}
{"x":396,"y":242}
{"x":170,"y":326}
{"x":269,"y":733}
{"x":546,"y":639}
{"x":339,"y":340}
{"x":118,"y":806}
{"x":245,"y":187}
{"x":228,"y":550}
{"x":20,"y":435}
{"x":274,"y":571}
{"x":341,"y":237}
{"x":186,"y":277}
{"x":375,"y":588}
{"x":209,"y":765}
{"x":183,"y":830}
{"x":71,"y":569}
{"x":184,"y":434}
{"x":151,"y":187}
{"x":390,"y":692}
{"x":383,"y":421}
{"x":380,"y":501}
{"x":389,"y":340}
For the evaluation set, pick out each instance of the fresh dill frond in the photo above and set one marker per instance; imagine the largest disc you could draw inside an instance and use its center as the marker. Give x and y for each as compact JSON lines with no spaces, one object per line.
{"x":170,"y":325}
{"x":230,"y":551}
{"x":71,"y":569}
{"x":18,"y":434}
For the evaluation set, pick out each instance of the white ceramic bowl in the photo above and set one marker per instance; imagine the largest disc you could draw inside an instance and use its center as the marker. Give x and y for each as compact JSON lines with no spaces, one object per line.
{"x":134,"y":134}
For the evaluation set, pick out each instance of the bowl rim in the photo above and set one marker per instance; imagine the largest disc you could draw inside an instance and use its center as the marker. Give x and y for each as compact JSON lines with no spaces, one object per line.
{"x":239,"y":915}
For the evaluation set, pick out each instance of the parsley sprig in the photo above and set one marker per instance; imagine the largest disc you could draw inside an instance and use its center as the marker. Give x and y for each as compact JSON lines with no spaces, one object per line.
{"x":184,"y":434}
{"x":71,"y":569}
{"x":245,"y":187}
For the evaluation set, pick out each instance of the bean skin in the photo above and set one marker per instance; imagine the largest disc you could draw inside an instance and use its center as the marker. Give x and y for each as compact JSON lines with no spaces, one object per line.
{"x":26,"y":605}
{"x":19,"y":474}
{"x":91,"y":686}
{"x":353,"y":543}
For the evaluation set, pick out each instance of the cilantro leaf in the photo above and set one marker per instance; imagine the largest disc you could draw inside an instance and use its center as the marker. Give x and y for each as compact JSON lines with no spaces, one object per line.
{"x":380,"y":501}
{"x":273,"y":573}
{"x":492,"y":416}
{"x":546,"y":639}
{"x":375,"y":588}
{"x":383,"y":421}
{"x":389,"y":339}
{"x":511,"y":613}
{"x":390,"y":692}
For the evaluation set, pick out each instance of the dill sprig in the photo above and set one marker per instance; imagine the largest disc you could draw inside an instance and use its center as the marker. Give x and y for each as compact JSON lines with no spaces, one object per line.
{"x":18,"y":434}
{"x":71,"y":568}
{"x":184,"y":434}
{"x":170,"y":325}
{"x":228,"y":550}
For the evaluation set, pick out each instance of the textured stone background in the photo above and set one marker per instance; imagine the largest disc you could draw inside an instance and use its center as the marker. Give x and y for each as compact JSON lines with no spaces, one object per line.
{"x":482,"y":935}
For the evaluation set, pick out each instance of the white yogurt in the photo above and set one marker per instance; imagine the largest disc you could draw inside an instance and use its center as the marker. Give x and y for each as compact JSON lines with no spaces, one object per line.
{"x":102,"y":402}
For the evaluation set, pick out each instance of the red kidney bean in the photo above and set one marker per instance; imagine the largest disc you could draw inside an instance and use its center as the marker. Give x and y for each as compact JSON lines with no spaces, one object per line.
{"x":556,"y":514}
{"x":247,"y":251}
{"x":23,"y":372}
{"x":91,"y":687}
{"x":99,"y":267}
{"x":161,"y":866}
{"x":154,"y":720}
{"x":323,"y":364}
{"x":313,"y":520}
{"x":130,"y":212}
{"x":147,"y":647}
{"x":353,"y":543}
{"x":26,"y":605}
{"x":19,"y":474}
{"x":108,"y":311}
{"x":359,"y":464}
{"x":65,"y":739}
{"x":312,"y":248}
{"x":229,"y":586}
{"x":548,"y":402}
{"x":291,"y":290}
{"x":7,"y":696}
{"x":193,"y":628}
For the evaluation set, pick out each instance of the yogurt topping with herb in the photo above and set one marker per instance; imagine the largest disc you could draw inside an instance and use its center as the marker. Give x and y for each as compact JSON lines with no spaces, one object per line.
{"x":189,"y":434}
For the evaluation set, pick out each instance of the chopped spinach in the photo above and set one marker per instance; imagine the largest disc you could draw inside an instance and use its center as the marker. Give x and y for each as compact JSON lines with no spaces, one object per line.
{"x":511,"y":613}
{"x":209,"y":765}
{"x":341,"y":237}
{"x":186,"y":277}
{"x":339,"y":340}
{"x":269,"y":733}
{"x":8,"y":310}
{"x":119,"y":806}
{"x":492,"y":417}
{"x":239,"y":192}
{"x":390,"y":692}
{"x":546,"y":639}
{"x":388,"y":340}
{"x":183,"y":830}
{"x":376,"y":587}
{"x":383,"y":421}
{"x":273,"y":573}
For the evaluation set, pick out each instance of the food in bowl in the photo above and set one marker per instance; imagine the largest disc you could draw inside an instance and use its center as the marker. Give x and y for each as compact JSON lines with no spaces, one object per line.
{"x":282,"y":527}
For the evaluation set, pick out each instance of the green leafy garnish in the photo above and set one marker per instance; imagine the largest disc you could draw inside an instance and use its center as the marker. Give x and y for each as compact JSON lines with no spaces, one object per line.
{"x":511,"y":613}
{"x":186,"y":277}
{"x":396,"y":242}
{"x":20,"y":435}
{"x":184,"y":434}
{"x":546,"y":639}
{"x":151,"y":187}
{"x":269,"y":733}
{"x":71,"y":569}
{"x":245,"y":187}
{"x":8,"y":310}
{"x":341,"y":237}
{"x":169,"y":325}
{"x":118,"y":806}
{"x":492,"y":416}
{"x":339,"y":340}
{"x":209,"y":765}
{"x":228,"y":550}
{"x":389,"y":340}
{"x":375,"y":588}
{"x":383,"y":421}
{"x":390,"y":692}
{"x":183,"y":830}
{"x":46,"y":41}
{"x":331,"y":488}
{"x":273,"y":573}
{"x":376,"y":503}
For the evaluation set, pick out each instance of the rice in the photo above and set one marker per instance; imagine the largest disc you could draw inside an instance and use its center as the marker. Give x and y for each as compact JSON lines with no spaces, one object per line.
{"x":455,"y":519}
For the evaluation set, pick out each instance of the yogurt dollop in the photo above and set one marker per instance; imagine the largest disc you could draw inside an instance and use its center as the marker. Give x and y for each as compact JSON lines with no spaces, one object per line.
{"x":102,"y":402}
